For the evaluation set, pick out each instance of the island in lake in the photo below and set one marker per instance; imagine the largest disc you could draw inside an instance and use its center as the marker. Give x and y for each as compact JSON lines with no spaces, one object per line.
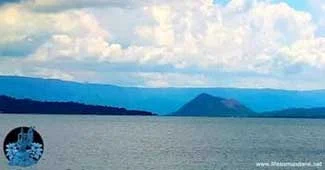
{"x":208,"y":105}
{"x":28,"y":106}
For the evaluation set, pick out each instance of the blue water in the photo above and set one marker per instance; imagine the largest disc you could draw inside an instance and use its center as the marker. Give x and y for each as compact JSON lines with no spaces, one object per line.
{"x":169,"y":143}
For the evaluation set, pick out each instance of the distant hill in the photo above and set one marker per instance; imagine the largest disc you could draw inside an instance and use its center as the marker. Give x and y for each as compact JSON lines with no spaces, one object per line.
{"x":207,"y":105}
{"x":17,"y":106}
{"x":318,"y":112}
{"x":157,"y":100}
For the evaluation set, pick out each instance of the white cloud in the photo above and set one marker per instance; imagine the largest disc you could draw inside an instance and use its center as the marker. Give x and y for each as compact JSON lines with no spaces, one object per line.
{"x":156,"y":79}
{"x":311,"y":52}
{"x":253,"y":37}
{"x":239,"y":37}
{"x":20,"y":24}
{"x":53,"y":74}
{"x":59,"y":5}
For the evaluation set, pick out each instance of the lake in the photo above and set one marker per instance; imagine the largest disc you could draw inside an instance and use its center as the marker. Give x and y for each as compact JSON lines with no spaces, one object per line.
{"x":169,"y":143}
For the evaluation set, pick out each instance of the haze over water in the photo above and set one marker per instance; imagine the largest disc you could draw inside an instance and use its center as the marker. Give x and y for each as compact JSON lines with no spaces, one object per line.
{"x":169,"y":143}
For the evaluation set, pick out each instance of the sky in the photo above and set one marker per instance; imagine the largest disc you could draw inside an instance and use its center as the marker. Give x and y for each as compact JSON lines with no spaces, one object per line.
{"x":167,"y":43}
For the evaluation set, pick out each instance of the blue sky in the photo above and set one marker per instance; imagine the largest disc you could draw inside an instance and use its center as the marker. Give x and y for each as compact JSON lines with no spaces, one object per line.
{"x":299,"y":5}
{"x":296,"y":4}
{"x":167,"y":43}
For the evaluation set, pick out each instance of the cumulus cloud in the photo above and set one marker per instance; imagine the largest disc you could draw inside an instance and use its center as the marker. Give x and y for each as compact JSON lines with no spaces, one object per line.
{"x":62,"y":5}
{"x":59,"y":5}
{"x":166,"y":43}
{"x":242,"y":36}
{"x":20,"y":25}
{"x":310,"y":51}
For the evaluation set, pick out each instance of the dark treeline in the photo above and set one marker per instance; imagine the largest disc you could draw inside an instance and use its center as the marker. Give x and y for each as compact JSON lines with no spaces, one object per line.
{"x":24,"y":106}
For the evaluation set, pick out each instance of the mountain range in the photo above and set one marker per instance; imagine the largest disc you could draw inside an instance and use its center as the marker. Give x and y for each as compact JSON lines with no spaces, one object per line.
{"x":157,"y":100}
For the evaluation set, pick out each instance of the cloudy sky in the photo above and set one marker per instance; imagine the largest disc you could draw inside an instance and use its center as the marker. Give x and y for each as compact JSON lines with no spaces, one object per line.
{"x":167,"y":43}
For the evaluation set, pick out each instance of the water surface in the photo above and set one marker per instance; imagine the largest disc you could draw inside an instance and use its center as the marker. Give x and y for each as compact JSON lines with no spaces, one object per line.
{"x":169,"y":143}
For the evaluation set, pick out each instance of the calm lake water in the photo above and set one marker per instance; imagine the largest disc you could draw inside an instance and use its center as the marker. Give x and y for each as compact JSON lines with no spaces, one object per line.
{"x":169,"y":143}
